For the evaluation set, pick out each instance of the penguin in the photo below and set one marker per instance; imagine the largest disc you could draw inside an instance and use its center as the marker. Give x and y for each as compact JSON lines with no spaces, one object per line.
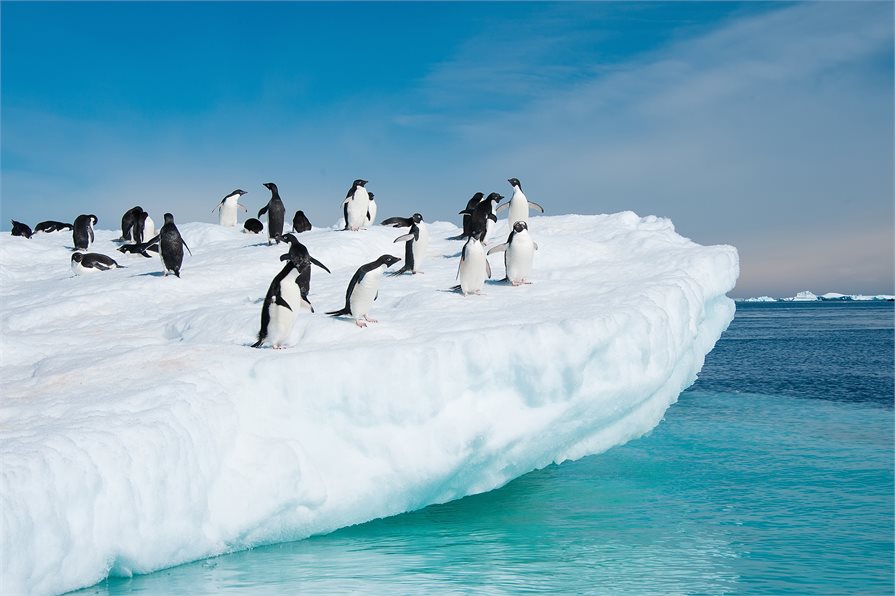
{"x":474,"y":267}
{"x":281,"y":304}
{"x":253,"y":226}
{"x":82,"y":231}
{"x":52,"y":226}
{"x":356,"y":205}
{"x":416,"y":242}
{"x":518,"y":204}
{"x":146,"y":224}
{"x":276,"y":212}
{"x":142,"y":248}
{"x":171,"y":246}
{"x":90,"y":262}
{"x":20,"y":229}
{"x":467,"y":217}
{"x":298,"y":255}
{"x":137,"y":229}
{"x":482,"y":217}
{"x":519,"y":253}
{"x":363,"y":289}
{"x":127,"y":223}
{"x":371,"y":210}
{"x":228,"y":208}
{"x":300,"y":222}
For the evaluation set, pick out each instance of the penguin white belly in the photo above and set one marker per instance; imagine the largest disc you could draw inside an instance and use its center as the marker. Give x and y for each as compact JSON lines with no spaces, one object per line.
{"x":372,"y":211}
{"x":489,"y":225}
{"x":282,"y":319}
{"x":472,"y":269}
{"x":357,"y":208}
{"x":228,"y":212}
{"x":289,"y":290}
{"x":420,"y":247}
{"x":519,"y":257}
{"x":518,"y":208}
{"x":364,"y":293}
{"x":79,"y":269}
{"x":148,"y":229}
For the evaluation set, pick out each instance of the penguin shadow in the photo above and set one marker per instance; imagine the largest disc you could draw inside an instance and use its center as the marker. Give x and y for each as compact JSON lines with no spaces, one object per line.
{"x":497,"y":282}
{"x":152,"y":274}
{"x":453,"y":256}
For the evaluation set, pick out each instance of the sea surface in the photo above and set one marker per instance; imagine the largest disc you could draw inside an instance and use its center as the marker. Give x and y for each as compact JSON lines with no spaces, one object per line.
{"x":773,"y":474}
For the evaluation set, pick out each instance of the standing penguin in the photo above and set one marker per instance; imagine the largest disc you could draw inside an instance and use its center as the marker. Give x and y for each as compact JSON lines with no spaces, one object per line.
{"x":281,"y":304}
{"x":127,"y":223}
{"x":371,"y":210}
{"x":356,"y":205}
{"x":518,"y":204}
{"x":416,"y":242}
{"x":467,"y":216}
{"x":520,"y":252}
{"x":474,"y":267}
{"x":482,"y":217}
{"x":228,"y":208}
{"x":300,"y":223}
{"x":20,"y":229}
{"x":363,"y":289}
{"x":171,"y":246}
{"x":298,"y":255}
{"x":276,"y":213}
{"x":52,"y":226}
{"x":91,"y":262}
{"x":146,"y":223}
{"x":82,"y":231}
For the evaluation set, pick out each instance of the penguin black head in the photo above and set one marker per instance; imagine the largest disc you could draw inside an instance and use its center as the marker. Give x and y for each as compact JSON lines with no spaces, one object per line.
{"x":494,"y":196}
{"x":76,"y":258}
{"x":93,"y":217}
{"x":515,"y":182}
{"x":238,"y":192}
{"x":290,"y":238}
{"x":169,"y":218}
{"x":519,"y":226}
{"x":359,"y":182}
{"x":417,"y":218}
{"x":387,"y":260}
{"x":271,"y":186}
{"x":370,"y":195}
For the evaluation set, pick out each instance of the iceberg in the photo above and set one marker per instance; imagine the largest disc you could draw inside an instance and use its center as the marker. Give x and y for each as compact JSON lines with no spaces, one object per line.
{"x":140,"y":430}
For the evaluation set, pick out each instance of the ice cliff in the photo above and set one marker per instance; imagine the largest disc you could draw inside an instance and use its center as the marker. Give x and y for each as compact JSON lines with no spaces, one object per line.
{"x":140,"y":431}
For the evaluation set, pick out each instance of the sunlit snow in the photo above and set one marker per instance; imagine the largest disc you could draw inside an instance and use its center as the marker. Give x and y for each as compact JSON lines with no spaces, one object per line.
{"x":140,"y":430}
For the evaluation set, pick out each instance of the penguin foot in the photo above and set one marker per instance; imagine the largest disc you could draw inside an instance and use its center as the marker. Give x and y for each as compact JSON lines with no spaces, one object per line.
{"x":366,"y":318}
{"x":516,"y":283}
{"x":359,"y":323}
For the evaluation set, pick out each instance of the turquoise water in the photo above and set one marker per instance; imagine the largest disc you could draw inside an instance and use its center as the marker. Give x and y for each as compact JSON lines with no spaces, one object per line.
{"x":786,"y":490}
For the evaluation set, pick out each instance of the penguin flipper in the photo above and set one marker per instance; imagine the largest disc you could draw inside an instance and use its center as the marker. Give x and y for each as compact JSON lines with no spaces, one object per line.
{"x":90,"y":229}
{"x":488,"y":268}
{"x":187,"y":247}
{"x":535,"y":245}
{"x":503,"y":207}
{"x":492,"y":217}
{"x":263,"y":210}
{"x":498,"y":248}
{"x":397,"y":222}
{"x":533,"y":205}
{"x":279,"y":301}
{"x":319,"y":264}
{"x":404,"y":238}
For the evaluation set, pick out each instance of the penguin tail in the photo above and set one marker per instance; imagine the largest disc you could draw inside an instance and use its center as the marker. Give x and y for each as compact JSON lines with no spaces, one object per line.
{"x":258,"y":343}
{"x":400,"y":271}
{"x":458,"y":237}
{"x":340,"y":312}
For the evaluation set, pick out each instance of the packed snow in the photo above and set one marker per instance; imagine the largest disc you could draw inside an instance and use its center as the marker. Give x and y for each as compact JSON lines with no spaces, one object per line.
{"x":140,"y":430}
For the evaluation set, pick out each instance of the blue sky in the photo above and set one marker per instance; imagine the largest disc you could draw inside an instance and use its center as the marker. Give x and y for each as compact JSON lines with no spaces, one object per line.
{"x":763,"y":125}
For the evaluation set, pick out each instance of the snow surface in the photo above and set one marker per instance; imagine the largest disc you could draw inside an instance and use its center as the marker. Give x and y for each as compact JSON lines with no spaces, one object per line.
{"x":140,"y":431}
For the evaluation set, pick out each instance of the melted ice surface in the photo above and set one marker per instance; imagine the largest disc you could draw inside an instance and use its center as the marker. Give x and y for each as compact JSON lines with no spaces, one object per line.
{"x":140,"y":431}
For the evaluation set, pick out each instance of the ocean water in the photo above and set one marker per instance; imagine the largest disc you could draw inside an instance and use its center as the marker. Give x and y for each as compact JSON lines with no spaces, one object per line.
{"x":773,"y":474}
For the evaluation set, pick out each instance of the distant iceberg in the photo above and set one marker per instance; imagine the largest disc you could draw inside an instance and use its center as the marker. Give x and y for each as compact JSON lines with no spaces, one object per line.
{"x":138,"y":429}
{"x":760,"y":299}
{"x":805,"y":296}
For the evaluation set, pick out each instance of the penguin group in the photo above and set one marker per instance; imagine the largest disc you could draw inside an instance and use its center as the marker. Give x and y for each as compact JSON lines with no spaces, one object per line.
{"x":288,"y":291}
